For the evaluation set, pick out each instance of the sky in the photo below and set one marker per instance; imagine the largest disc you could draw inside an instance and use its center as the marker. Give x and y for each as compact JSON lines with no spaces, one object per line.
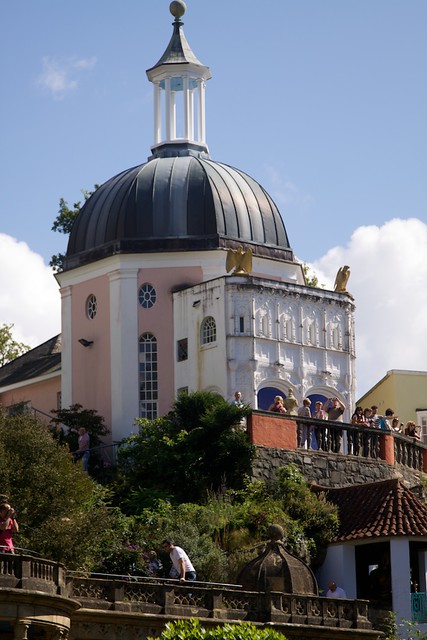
{"x":322,"y":102}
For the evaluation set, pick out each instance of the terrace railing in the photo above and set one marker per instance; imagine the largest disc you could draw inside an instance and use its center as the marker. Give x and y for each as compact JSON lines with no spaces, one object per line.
{"x":280,"y":431}
{"x":170,"y":598}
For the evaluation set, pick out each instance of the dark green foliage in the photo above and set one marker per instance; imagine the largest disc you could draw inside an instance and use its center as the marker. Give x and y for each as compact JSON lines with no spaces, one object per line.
{"x":64,"y":221}
{"x":198,"y":447}
{"x":74,"y":418}
{"x":311,"y":279}
{"x":9,"y":347}
{"x":62,"y":513}
{"x":227,"y":531}
{"x":318,"y":518}
{"x":192,"y":630}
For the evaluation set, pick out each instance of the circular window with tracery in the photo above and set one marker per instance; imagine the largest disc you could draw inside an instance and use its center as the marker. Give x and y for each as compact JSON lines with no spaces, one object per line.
{"x":91,"y":307}
{"x":147,"y":296}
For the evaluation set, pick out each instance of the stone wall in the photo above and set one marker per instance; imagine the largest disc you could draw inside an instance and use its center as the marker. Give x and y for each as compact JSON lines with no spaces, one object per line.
{"x":331,"y":470}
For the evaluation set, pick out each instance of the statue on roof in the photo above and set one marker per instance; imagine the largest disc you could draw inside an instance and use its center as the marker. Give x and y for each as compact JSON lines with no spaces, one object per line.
{"x":240,"y":260}
{"x":341,"y":280}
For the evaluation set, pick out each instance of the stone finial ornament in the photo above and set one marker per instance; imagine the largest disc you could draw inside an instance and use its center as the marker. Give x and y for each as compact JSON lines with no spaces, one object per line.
{"x":177,"y":8}
{"x":275,"y":569}
{"x":291,"y":403}
{"x":240,"y":260}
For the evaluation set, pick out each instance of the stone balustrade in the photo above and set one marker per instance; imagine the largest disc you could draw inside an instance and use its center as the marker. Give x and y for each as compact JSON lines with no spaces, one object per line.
{"x":279,"y":431}
{"x":37,"y":599}
{"x":217,"y":602}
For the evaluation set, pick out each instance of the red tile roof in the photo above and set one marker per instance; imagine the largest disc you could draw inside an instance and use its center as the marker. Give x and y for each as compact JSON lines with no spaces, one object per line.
{"x":377,"y":509}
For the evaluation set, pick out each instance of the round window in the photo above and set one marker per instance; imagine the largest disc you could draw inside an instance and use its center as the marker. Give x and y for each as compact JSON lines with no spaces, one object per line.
{"x":91,"y":307}
{"x":147,"y":296}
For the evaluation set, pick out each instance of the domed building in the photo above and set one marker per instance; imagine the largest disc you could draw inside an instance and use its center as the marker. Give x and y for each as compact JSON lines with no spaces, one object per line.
{"x":179,"y":276}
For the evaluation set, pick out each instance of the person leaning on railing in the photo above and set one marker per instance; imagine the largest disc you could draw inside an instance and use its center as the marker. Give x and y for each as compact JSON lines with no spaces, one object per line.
{"x":8,"y":526}
{"x":412,"y":430}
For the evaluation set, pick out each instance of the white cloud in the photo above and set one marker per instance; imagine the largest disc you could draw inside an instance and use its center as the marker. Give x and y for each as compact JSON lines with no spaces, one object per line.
{"x":29,"y":294}
{"x":61,"y":76}
{"x":389,"y":283}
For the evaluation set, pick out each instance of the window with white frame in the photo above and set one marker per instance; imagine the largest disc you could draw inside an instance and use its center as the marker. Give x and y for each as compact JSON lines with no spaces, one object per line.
{"x":148,"y":380}
{"x":147,"y":296}
{"x":91,"y":306}
{"x":422,"y":421}
{"x":208,"y":331}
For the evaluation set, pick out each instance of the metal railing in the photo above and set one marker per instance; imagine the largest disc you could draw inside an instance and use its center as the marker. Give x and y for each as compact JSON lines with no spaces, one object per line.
{"x":419,"y":607}
{"x":360,"y":441}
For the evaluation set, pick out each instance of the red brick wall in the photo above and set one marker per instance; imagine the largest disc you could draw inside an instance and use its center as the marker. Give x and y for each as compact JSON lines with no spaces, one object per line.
{"x":277,"y":432}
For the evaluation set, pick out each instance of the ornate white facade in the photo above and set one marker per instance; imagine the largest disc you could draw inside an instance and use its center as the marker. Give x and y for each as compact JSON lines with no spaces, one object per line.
{"x":269,"y":334}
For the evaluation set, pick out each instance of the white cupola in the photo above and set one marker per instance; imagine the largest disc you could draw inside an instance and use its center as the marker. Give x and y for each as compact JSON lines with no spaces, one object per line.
{"x":179,"y":81}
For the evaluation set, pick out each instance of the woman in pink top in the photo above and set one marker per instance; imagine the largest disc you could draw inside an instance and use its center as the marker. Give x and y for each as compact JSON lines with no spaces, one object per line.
{"x":8,"y":526}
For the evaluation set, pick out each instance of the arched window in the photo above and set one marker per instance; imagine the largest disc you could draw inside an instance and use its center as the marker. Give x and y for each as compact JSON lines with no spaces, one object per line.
{"x":148,"y":382}
{"x":208,"y":331}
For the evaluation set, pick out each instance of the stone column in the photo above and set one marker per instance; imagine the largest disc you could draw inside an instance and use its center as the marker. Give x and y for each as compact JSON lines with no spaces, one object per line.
{"x":20,"y":630}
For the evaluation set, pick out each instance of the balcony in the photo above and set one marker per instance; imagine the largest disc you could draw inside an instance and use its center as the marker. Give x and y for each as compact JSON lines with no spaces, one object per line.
{"x":279,"y":431}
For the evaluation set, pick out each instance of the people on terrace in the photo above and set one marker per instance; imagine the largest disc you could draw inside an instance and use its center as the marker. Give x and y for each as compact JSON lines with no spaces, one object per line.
{"x":320,"y":432}
{"x":277,"y":406}
{"x":412,"y":430}
{"x":335,"y":409}
{"x":358,"y":416}
{"x":304,"y":429}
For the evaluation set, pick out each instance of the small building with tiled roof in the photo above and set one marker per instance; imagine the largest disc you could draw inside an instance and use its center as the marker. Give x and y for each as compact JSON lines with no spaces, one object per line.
{"x":380,"y":550}
{"x":33,"y":381}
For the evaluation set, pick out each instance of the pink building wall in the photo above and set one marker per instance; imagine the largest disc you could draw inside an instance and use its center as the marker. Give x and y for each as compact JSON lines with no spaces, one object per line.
{"x":91,"y":381}
{"x":159,"y":321}
{"x":43,"y":395}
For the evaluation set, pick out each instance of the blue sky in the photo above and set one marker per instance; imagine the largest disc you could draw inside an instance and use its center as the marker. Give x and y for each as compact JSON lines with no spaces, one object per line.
{"x":324,"y":103}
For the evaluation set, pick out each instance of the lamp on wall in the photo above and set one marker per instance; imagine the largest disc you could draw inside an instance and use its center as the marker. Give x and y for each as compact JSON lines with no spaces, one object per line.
{"x":86,"y":343}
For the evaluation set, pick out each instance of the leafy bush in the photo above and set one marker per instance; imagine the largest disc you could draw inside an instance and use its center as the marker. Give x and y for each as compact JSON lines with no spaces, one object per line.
{"x":199,"y":447}
{"x":192,"y":630}
{"x":62,"y":513}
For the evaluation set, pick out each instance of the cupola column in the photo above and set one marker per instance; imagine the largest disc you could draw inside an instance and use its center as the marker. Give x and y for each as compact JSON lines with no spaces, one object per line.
{"x":157,"y":113}
{"x":188,"y":111}
{"x":201,"y":130}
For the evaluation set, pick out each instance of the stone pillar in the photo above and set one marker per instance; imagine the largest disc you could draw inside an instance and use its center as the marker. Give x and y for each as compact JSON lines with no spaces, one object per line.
{"x":20,"y":630}
{"x":387,"y":447}
{"x":57,"y":634}
{"x":400,"y":577}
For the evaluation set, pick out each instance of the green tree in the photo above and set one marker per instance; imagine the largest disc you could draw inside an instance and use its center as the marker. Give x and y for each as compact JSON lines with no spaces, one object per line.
{"x":198,"y":447}
{"x":193,"y":630}
{"x":225,"y":532}
{"x":63,"y":514}
{"x":10,"y":348}
{"x":311,"y":279}
{"x":64,"y":221}
{"x":75,"y":417}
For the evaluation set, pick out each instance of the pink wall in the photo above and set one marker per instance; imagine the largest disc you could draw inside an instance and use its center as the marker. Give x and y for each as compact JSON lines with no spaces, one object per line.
{"x":159,"y":321}
{"x":42,"y":395}
{"x":91,"y":380}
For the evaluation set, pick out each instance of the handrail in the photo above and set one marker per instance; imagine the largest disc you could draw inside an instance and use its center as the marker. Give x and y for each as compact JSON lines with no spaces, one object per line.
{"x":334,"y":437}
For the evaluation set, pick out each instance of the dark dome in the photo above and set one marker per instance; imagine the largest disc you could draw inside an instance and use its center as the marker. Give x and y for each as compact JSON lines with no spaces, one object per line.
{"x":181,"y":203}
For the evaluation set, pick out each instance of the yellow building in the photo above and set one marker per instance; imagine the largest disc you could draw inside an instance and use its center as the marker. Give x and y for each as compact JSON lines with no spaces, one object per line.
{"x":403,"y":391}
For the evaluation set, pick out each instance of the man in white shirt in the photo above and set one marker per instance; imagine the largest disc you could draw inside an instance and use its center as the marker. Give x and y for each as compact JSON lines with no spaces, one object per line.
{"x":334,"y":591}
{"x":180,"y":561}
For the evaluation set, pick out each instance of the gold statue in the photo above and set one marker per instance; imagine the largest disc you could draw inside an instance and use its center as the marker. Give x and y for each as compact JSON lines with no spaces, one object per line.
{"x":342,"y":279}
{"x":240,"y":260}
